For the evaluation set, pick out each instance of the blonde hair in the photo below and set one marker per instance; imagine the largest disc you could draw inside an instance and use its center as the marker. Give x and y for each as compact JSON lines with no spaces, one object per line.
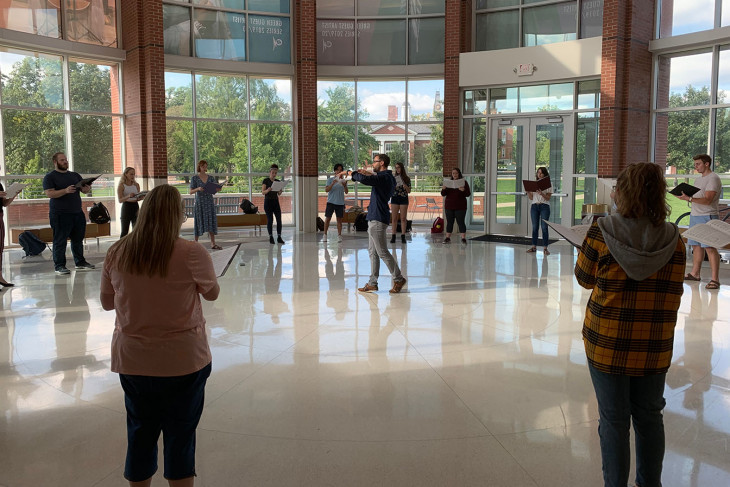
{"x":147,"y":249}
{"x":641,"y":191}
{"x":124,"y":179}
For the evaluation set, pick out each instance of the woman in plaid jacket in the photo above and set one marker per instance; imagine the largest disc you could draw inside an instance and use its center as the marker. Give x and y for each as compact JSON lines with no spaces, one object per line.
{"x":634,"y":263}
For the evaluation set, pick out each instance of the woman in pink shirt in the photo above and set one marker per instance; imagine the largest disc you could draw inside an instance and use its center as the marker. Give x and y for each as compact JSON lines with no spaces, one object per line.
{"x":154,"y":280}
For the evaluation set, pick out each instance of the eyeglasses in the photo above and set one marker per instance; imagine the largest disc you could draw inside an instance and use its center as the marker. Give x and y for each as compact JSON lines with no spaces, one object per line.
{"x":376,"y":160}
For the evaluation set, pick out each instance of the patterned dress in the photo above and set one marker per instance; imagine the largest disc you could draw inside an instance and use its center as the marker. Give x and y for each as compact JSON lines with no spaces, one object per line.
{"x":204,"y":211}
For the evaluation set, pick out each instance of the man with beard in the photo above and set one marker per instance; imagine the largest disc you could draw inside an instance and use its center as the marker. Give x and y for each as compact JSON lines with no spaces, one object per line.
{"x":65,"y":213}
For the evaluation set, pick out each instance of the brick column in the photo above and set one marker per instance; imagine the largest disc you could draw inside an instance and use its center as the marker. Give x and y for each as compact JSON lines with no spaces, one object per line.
{"x":306,"y":152}
{"x":626,"y":68}
{"x":458,"y":40}
{"x":144,"y":90}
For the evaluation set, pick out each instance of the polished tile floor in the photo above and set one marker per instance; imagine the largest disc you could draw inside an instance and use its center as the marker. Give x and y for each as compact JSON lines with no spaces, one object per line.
{"x":474,"y":375}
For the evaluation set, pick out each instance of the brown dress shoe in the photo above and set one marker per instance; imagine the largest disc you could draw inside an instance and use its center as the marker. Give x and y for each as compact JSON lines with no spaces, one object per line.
{"x":397,"y":286}
{"x":368,"y":288}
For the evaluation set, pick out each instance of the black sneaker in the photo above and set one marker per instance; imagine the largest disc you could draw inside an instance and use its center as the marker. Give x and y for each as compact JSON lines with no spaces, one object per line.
{"x":463,"y":240}
{"x":402,"y":238}
{"x":279,"y":239}
{"x":271,"y":239}
{"x":85,"y":266}
{"x":392,"y":238}
{"x":447,"y":240}
{"x":62,"y":271}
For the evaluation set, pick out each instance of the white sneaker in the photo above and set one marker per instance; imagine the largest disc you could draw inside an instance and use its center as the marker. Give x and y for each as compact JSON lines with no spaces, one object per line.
{"x":324,"y":237}
{"x":339,"y":238}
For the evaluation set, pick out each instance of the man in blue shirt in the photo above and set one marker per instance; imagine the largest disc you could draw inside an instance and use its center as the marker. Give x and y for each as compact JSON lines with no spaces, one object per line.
{"x":383,"y":184}
{"x":336,"y":190}
{"x":67,"y":217}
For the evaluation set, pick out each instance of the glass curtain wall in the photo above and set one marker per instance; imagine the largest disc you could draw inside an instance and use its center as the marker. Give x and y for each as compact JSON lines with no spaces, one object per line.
{"x":239,"y":124}
{"x":505,"y":24}
{"x":87,"y":21}
{"x":401,"y":117}
{"x":41,"y":115}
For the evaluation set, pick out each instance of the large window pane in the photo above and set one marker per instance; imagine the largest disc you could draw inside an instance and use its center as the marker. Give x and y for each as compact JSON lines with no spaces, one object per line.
{"x":586,"y":144}
{"x":31,"y":79}
{"x":93,"y":144}
{"x":475,"y":102}
{"x":41,"y":18}
{"x":584,"y":193}
{"x":91,"y":22}
{"x":416,"y":7}
{"x":335,"y":144}
{"x":381,"y":42}
{"x":684,"y":16}
{"x":367,"y":144}
{"x":31,"y":138}
{"x":503,"y":100}
{"x":278,"y":6}
{"x":679,"y":136}
{"x":180,"y":154}
{"x":335,"y":7}
{"x":684,"y":80}
{"x":178,"y":94}
{"x":545,"y":98}
{"x":723,"y":81}
{"x":474,"y":145}
{"x":725,"y":20}
{"x":220,"y":96}
{"x":220,"y":35}
{"x":426,"y":41}
{"x":271,"y":144}
{"x":498,"y":30}
{"x":269,"y":39}
{"x":425,"y":100}
{"x":589,"y":94}
{"x":591,"y":18}
{"x":722,"y":141}
{"x":335,"y":101}
{"x":336,"y":42}
{"x":90,"y":85}
{"x":381,"y":100}
{"x":176,"y":30}
{"x":483,"y":4}
{"x":381,"y":7}
{"x":549,"y":24}
{"x":270,"y":99}
{"x":223,"y":145}
{"x":426,"y":147}
{"x":232,"y":4}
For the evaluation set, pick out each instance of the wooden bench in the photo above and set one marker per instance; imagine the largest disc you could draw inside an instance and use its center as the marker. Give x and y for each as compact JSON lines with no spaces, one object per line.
{"x":242,"y":220}
{"x":93,"y":230}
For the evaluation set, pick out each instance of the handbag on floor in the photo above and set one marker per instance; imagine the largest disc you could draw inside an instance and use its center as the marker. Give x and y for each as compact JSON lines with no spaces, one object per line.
{"x":438,"y":225}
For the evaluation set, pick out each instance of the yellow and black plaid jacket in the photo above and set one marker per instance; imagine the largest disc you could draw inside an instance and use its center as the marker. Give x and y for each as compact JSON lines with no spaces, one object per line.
{"x":629,"y":325}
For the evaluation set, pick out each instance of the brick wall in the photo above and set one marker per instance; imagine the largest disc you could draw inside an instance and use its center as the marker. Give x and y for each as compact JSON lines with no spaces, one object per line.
{"x":305,"y":28}
{"x":626,"y":65}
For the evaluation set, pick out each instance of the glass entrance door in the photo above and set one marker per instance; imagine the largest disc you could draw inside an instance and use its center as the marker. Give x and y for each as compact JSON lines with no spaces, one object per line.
{"x":518,"y":147}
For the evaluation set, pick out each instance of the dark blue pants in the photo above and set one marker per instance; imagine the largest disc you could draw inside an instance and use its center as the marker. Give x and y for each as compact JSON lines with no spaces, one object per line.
{"x":129,"y":215}
{"x":67,"y":226}
{"x":171,"y":405}
{"x":621,"y":400}
{"x":272,"y":209}
{"x":540,"y":214}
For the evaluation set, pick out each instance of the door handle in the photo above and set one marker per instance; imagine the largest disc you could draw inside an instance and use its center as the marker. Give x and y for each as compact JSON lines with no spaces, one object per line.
{"x":513,"y":193}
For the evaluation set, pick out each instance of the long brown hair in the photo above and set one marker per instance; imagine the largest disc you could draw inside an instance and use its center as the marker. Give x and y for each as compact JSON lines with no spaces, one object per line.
{"x":124,"y":179}
{"x":641,"y":190}
{"x":147,"y":249}
{"x":403,"y":174}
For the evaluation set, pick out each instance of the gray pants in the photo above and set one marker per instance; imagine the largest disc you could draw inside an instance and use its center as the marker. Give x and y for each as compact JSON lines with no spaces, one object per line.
{"x":378,"y":249}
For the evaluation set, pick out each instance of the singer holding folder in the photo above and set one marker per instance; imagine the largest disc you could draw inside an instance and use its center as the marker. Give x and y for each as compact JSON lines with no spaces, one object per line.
{"x":204,"y":210}
{"x":540,"y":211}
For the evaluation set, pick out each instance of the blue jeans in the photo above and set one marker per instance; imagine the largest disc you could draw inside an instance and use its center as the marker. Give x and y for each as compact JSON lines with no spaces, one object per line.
{"x":622,"y":399}
{"x":378,"y":249}
{"x":68,"y":226}
{"x":540,"y":214}
{"x":171,"y":405}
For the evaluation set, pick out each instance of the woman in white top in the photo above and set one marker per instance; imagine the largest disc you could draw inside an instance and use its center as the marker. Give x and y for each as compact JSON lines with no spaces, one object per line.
{"x":540,"y":211}
{"x":127,"y":192}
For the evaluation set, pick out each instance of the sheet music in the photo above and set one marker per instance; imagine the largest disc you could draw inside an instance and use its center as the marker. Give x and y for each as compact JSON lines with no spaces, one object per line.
{"x":14,"y":189}
{"x":715,"y":233}
{"x":454,"y":183}
{"x":575,"y":235}
{"x":278,"y":185}
{"x":222,"y":259}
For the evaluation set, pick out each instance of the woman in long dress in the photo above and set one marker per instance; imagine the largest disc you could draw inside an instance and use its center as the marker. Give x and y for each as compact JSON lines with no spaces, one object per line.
{"x":204,"y":210}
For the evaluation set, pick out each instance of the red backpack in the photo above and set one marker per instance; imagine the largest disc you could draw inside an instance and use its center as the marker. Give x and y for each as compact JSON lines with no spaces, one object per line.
{"x":438,"y":225}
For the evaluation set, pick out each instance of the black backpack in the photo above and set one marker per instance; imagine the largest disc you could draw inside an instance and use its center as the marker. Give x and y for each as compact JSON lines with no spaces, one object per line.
{"x":32,"y":245}
{"x":99,"y":214}
{"x":320,"y":224}
{"x":361,"y":222}
{"x":248,"y":207}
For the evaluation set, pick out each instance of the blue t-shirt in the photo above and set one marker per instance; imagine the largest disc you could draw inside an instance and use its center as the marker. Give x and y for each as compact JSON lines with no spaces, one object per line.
{"x":68,"y":203}
{"x":336,"y":196}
